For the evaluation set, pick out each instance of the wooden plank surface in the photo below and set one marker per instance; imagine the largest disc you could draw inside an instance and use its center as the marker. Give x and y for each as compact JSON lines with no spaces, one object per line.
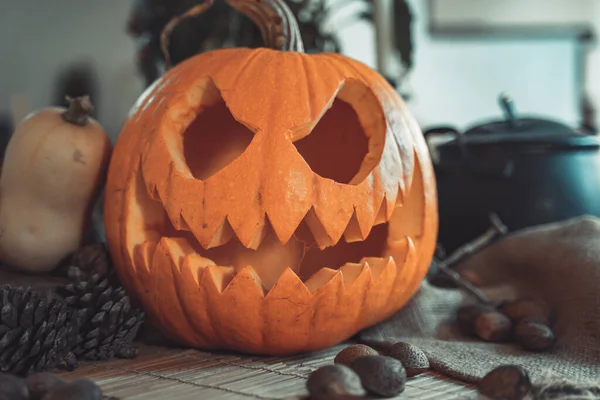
{"x":182,"y":374}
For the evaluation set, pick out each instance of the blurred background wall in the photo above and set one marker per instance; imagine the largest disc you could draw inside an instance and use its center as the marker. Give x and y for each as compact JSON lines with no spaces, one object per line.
{"x":454,"y":81}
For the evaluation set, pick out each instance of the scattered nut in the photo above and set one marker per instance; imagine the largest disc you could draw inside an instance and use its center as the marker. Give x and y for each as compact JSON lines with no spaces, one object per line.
{"x":334,"y":380}
{"x":507,"y":382}
{"x":467,"y":315}
{"x":534,"y":336}
{"x":381,"y":375}
{"x":78,"y":389}
{"x":493,"y":327}
{"x":13,"y":388}
{"x":413,"y":359}
{"x":351,"y":353}
{"x":39,"y":383}
{"x":519,"y":309}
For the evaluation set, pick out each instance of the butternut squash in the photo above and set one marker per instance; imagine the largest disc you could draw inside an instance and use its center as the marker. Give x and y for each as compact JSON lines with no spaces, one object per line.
{"x":52,"y":173}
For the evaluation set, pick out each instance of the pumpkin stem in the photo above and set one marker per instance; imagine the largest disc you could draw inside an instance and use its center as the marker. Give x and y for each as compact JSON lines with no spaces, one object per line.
{"x":277,"y":23}
{"x":79,"y":110}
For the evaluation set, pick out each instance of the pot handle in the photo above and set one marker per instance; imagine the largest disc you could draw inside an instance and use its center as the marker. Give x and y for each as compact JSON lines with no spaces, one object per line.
{"x":441,"y":130}
{"x":445,"y":130}
{"x":502,"y":170}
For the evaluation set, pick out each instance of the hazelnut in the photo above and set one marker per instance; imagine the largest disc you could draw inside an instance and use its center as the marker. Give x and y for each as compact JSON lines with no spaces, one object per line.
{"x":13,"y":387}
{"x":78,"y":389}
{"x":493,"y":327}
{"x":332,"y":381}
{"x":534,"y":336}
{"x":467,"y":315}
{"x":351,"y":353}
{"x":381,"y":375}
{"x":40,"y":383}
{"x":519,"y":309}
{"x":507,"y":382}
{"x":413,"y":359}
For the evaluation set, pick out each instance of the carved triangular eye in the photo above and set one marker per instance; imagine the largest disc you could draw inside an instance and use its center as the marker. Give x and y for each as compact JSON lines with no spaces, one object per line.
{"x":347,"y":141}
{"x":214,"y":139}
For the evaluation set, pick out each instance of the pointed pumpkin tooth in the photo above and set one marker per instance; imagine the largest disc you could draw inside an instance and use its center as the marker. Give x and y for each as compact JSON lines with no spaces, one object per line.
{"x":245,"y":295}
{"x":155,"y":170}
{"x":320,"y":278}
{"x":222,"y":235}
{"x":350,"y":272}
{"x":152,"y":191}
{"x":406,"y":257}
{"x":208,"y":235}
{"x":318,"y":231}
{"x":196,"y":264}
{"x":219,"y":276}
{"x":249,"y":224}
{"x":167,"y":264}
{"x":142,"y":274}
{"x":379,"y":265}
{"x":180,"y":190}
{"x":331,"y":212}
{"x":366,"y":210}
{"x":171,"y":251}
{"x":143,"y":254}
{"x":287,"y":312}
{"x":195,"y":305}
{"x":382,"y":213}
{"x":391,"y":202}
{"x":328,"y":309}
{"x":284,"y":225}
{"x":246,"y":281}
{"x":252,"y":238}
{"x":354,"y":232}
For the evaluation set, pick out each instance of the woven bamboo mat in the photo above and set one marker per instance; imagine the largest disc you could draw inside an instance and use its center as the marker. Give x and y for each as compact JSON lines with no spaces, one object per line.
{"x":182,"y":374}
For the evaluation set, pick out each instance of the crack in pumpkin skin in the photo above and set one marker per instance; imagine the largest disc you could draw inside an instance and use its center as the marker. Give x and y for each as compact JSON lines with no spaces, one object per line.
{"x":222,"y":307}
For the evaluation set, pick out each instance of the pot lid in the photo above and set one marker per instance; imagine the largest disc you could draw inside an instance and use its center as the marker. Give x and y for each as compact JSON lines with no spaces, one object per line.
{"x":527,"y":131}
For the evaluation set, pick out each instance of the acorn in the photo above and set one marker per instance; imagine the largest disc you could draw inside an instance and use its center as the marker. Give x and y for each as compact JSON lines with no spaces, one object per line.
{"x":493,"y":327}
{"x":534,"y":336}
{"x":381,"y":375}
{"x":507,"y":382}
{"x":413,"y":359}
{"x":332,"y":381}
{"x":351,"y":353}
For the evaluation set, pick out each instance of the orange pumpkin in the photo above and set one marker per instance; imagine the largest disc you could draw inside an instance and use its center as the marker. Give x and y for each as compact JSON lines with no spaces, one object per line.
{"x":270,"y":201}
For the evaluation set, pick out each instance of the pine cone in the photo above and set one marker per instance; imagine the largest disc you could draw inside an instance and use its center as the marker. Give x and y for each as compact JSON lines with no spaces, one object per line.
{"x":107,"y":322}
{"x":36,"y":331}
{"x":85,"y":262}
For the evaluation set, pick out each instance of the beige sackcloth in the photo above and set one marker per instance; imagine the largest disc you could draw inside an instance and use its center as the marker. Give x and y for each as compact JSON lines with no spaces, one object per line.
{"x":558,"y":262}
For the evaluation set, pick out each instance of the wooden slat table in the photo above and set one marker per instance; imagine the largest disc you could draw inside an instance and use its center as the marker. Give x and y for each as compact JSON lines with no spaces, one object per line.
{"x":182,"y":374}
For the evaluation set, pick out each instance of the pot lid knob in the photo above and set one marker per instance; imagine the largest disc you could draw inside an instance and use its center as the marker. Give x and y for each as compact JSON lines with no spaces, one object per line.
{"x":508,"y":107}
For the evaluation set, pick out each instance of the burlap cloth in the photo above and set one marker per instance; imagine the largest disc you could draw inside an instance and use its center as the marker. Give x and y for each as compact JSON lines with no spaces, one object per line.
{"x":559,"y":262}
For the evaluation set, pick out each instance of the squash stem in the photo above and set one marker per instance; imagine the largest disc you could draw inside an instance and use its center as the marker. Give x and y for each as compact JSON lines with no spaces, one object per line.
{"x":79,"y":110}
{"x":274,"y":18}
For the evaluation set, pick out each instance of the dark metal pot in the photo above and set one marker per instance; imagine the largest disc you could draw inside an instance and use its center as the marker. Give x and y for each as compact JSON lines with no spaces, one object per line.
{"x":529,"y":171}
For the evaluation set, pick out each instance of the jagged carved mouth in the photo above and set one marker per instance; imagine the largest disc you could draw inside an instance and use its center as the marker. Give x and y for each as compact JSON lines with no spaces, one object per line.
{"x":310,"y":249}
{"x":386,"y":246}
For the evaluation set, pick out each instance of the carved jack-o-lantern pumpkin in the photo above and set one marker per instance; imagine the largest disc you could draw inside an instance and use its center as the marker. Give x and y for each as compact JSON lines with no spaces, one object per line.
{"x":270,"y":201}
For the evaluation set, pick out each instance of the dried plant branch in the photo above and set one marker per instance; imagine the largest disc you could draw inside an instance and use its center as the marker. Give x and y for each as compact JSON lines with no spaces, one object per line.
{"x":498,"y":229}
{"x":494,"y":232}
{"x":464,"y":284}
